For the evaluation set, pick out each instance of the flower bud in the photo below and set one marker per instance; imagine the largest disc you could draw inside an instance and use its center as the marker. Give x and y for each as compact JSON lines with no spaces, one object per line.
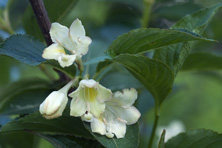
{"x":54,"y":105}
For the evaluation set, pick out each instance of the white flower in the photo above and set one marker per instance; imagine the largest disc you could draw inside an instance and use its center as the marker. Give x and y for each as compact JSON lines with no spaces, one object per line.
{"x":119,"y":112}
{"x":174,"y":128}
{"x":54,"y":105}
{"x":57,"y":52}
{"x":89,"y":98}
{"x":73,"y":39}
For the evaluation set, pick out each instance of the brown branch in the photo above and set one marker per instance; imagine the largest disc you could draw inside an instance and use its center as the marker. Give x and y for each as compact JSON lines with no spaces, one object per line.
{"x":45,"y":25}
{"x":42,"y":18}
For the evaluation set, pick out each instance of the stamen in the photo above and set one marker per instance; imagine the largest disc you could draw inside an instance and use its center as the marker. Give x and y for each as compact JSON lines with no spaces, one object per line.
{"x":106,"y":123}
{"x":121,"y":120}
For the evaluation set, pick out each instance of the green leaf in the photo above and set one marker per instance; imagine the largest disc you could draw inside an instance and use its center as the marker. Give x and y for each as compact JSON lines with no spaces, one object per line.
{"x":175,"y":55}
{"x":70,"y":71}
{"x":18,"y":139}
{"x":19,"y":86}
{"x":196,"y":139}
{"x":162,"y":138}
{"x":198,"y":21}
{"x":23,"y":48}
{"x":145,"y":39}
{"x":70,"y":141}
{"x":202,"y":61}
{"x":24,"y":96}
{"x":55,"y":15}
{"x":64,"y":125}
{"x":153,"y":74}
{"x":131,"y":139}
{"x":16,"y":10}
{"x":25,"y":102}
{"x":117,"y":77}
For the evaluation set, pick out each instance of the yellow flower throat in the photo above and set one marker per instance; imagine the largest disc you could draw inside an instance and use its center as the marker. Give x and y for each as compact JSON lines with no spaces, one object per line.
{"x":90,"y":94}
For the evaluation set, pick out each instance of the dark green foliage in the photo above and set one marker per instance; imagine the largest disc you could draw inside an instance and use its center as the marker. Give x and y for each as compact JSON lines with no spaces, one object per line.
{"x":23,"y":48}
{"x":196,"y":139}
{"x":153,"y":74}
{"x":143,"y":40}
{"x":175,"y":55}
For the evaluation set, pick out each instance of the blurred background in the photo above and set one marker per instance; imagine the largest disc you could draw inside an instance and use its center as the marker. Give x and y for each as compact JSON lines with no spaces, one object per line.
{"x":196,"y":99}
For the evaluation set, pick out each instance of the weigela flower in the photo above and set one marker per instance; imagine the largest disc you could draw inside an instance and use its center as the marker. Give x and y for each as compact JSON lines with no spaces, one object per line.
{"x":54,"y":105}
{"x":119,"y":112}
{"x":89,"y":99}
{"x":73,"y":39}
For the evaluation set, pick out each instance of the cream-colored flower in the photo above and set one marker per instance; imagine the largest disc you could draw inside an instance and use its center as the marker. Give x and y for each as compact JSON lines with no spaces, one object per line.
{"x":57,"y":52}
{"x":54,"y":105}
{"x":73,"y":39}
{"x":89,"y":99}
{"x":119,"y":112}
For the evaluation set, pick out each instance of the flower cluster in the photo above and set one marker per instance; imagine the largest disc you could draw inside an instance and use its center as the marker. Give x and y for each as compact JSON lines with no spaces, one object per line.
{"x":107,"y":112}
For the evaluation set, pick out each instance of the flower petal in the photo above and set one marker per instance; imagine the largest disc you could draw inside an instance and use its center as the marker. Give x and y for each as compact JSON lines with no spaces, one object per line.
{"x":83,"y":45}
{"x":53,"y":52}
{"x":88,"y":83}
{"x":114,"y":125}
{"x":131,"y":114}
{"x":125,"y":98}
{"x":78,"y":107}
{"x":66,"y":60}
{"x":96,"y":108}
{"x":75,"y":93}
{"x":98,"y":126}
{"x":59,"y":112}
{"x":60,"y":34}
{"x":118,"y":128}
{"x":104,"y":94}
{"x":77,"y":31}
{"x":52,"y":103}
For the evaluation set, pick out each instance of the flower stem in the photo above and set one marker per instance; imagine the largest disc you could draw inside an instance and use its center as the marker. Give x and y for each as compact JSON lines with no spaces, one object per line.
{"x":154,"y":127}
{"x":68,"y":85}
{"x":146,"y":12}
{"x":80,"y":66}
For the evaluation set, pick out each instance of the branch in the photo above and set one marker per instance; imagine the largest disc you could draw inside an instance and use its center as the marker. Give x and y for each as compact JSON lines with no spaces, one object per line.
{"x":45,"y":25}
{"x":42,"y":19}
